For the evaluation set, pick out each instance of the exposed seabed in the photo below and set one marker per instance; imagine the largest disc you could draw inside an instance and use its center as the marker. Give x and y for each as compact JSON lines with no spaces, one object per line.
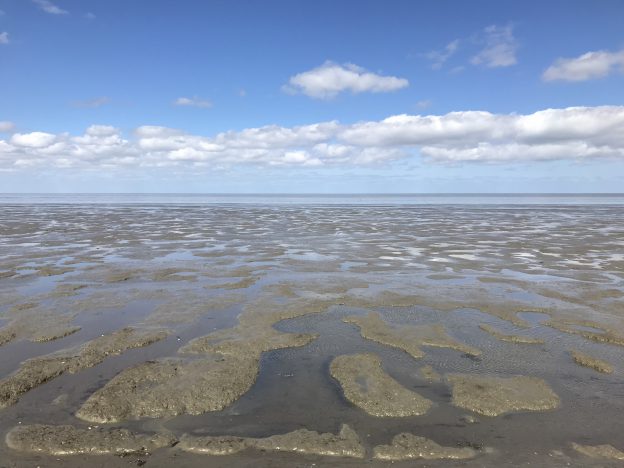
{"x":291,"y":335}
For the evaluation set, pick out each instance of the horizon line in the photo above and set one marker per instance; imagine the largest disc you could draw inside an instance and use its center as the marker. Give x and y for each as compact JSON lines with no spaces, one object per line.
{"x":337,"y":194}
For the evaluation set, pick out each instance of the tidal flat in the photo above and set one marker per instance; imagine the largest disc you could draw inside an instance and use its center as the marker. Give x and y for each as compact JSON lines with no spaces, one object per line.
{"x":290,"y":335}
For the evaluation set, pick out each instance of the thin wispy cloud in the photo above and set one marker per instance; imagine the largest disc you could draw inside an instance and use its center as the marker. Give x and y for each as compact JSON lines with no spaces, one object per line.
{"x":500,"y":48}
{"x":574,"y":133}
{"x":4,"y":37}
{"x":423,"y":104}
{"x":92,"y":103}
{"x":439,"y":57}
{"x":90,"y":15}
{"x":331,"y":79}
{"x":589,"y":66}
{"x":6,"y":126}
{"x":192,"y":102}
{"x":50,"y":7}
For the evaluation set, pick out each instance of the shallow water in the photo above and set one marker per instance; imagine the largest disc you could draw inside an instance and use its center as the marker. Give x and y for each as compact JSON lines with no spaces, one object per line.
{"x":191,"y":267}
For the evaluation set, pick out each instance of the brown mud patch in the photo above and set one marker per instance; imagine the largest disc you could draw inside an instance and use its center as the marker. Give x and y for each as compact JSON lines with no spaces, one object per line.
{"x":22,"y":306}
{"x":37,"y":328}
{"x":37,"y":371}
{"x":54,"y":333}
{"x":367,"y":386}
{"x":443,"y":277}
{"x":67,"y":289}
{"x":345,"y":444}
{"x":406,"y":446}
{"x":254,"y":332}
{"x":240,"y":284}
{"x":509,"y":338}
{"x":599,"y":451}
{"x":586,"y":360}
{"x":228,"y":368}
{"x":190,"y":307}
{"x":491,"y":396}
{"x":430,"y":374}
{"x":121,"y":276}
{"x":69,"y":440}
{"x":590,"y":296}
{"x":603,"y":334}
{"x":170,"y":387}
{"x":53,"y":271}
{"x":409,"y":338}
{"x":445,"y":298}
{"x":173,"y":274}
{"x":8,"y":274}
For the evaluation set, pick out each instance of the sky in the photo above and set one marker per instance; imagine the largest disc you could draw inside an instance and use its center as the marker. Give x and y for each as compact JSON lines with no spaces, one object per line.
{"x":311,"y":97}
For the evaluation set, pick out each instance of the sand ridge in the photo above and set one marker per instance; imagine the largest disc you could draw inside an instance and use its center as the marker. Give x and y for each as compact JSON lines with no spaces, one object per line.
{"x":409,"y":338}
{"x":599,"y":451}
{"x":345,"y":444}
{"x":366,"y":385}
{"x":406,"y":446}
{"x":492,"y":396}
{"x":583,"y":359}
{"x":69,"y":440}
{"x":509,"y":338}
{"x":37,"y":371}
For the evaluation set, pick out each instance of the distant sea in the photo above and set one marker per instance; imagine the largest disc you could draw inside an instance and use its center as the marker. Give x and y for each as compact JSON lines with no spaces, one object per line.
{"x":316,"y":199}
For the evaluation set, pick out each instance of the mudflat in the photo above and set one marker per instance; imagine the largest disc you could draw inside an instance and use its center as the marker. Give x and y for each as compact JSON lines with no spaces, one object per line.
{"x":292,"y":335}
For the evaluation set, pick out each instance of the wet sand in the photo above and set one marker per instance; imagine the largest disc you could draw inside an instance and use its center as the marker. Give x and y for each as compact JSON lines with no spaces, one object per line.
{"x":250,"y":335}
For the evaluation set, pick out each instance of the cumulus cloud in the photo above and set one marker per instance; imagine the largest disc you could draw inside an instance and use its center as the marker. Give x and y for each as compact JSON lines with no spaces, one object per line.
{"x":500,"y":48}
{"x":439,"y":57}
{"x":33,"y":140}
{"x":330,"y":79}
{"x":6,"y":126}
{"x":50,"y":7}
{"x":588,"y":66}
{"x":192,"y":102}
{"x":4,"y":37}
{"x":575,"y":133}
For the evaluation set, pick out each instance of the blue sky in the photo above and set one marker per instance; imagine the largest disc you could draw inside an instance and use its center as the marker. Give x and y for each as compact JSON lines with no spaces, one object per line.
{"x":293,"y":96}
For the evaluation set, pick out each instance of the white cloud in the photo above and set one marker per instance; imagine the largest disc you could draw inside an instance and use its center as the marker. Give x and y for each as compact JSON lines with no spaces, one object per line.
{"x":500,"y":48}
{"x":330,"y":79}
{"x":6,"y":126}
{"x":575,"y":133}
{"x":439,"y":57}
{"x":101,"y":131}
{"x":50,"y":7}
{"x":4,"y":37}
{"x":90,"y":15}
{"x":588,"y":66}
{"x":192,"y":102}
{"x":92,"y":103}
{"x":33,"y":140}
